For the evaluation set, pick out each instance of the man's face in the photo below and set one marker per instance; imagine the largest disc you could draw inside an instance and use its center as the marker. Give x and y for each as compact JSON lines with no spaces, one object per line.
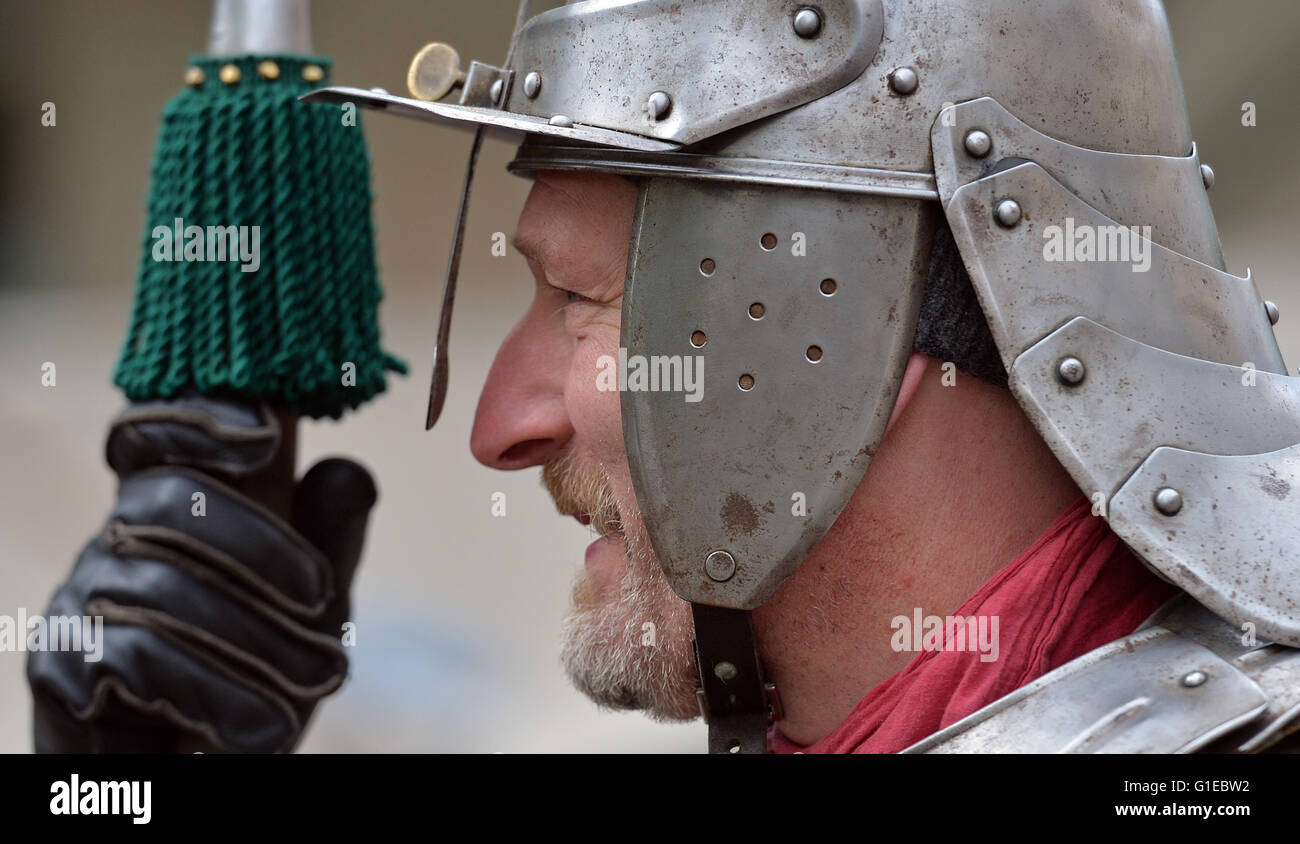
{"x":627,"y":639}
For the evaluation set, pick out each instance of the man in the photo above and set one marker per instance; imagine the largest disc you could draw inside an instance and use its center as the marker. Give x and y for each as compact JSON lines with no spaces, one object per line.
{"x":960,"y":486}
{"x":853,"y":323}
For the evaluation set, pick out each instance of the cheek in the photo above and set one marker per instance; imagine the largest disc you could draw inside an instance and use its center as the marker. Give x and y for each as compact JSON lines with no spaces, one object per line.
{"x":596,"y":413}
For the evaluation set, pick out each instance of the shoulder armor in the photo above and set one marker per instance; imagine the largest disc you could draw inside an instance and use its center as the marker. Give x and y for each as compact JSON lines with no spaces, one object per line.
{"x":1187,"y":681}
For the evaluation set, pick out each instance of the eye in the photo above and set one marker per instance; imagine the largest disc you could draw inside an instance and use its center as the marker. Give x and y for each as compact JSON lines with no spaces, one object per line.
{"x":570,"y":298}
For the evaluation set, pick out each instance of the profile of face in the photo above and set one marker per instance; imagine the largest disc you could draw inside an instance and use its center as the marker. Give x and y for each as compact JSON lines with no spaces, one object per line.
{"x":627,"y":638}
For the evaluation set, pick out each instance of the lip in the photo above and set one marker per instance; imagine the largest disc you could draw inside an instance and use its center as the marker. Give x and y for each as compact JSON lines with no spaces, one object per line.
{"x":595,"y":550}
{"x":606,"y":555}
{"x":582,"y":520}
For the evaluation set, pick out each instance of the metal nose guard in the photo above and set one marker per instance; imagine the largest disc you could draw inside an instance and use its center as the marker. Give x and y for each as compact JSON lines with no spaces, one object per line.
{"x":438,"y":382}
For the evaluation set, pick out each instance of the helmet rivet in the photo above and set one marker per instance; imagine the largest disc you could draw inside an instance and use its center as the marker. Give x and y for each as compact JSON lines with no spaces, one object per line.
{"x":194,"y":76}
{"x":1070,"y":370}
{"x":532,"y":85}
{"x":313,"y":72}
{"x":498,"y":88}
{"x":561,"y":120}
{"x":1007,"y":213}
{"x":659,"y":105}
{"x":1192,"y":679}
{"x":807,"y":23}
{"x":268,"y":70}
{"x":229,"y":74}
{"x":1207,"y":176}
{"x":720,"y":566}
{"x":978,"y":143}
{"x":725,"y":671}
{"x":1273,"y":313}
{"x":903,"y":80}
{"x":1168,"y":500}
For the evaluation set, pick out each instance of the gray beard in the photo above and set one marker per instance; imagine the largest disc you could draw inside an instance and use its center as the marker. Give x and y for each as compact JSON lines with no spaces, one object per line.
{"x":633,"y":651}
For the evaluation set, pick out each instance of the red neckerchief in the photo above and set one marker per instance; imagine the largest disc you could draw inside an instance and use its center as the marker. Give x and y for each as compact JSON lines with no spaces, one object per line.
{"x":1075,"y":589}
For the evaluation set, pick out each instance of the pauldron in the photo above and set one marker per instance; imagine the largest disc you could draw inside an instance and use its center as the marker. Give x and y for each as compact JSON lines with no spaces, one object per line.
{"x":1185,"y":682}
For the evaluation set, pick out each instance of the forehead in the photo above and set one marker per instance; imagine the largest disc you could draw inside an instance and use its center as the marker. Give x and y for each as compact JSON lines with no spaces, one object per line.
{"x":577,"y":221}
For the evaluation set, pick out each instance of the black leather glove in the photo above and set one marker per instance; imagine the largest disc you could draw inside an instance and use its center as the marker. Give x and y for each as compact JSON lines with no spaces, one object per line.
{"x":221,"y":630}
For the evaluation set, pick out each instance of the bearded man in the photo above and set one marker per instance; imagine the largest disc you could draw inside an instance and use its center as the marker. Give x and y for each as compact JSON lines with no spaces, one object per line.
{"x":960,"y":489}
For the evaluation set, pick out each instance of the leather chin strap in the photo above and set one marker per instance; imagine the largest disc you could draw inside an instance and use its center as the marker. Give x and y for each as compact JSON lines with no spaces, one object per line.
{"x":735,"y":699}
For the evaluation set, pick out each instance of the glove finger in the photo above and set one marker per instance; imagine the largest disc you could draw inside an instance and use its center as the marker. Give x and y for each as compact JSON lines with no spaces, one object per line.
{"x":331,"y":508}
{"x":120,"y":730}
{"x":208,"y":521}
{"x":183,"y":597}
{"x":231,"y":437}
{"x":151,"y":674}
{"x":123,"y":667}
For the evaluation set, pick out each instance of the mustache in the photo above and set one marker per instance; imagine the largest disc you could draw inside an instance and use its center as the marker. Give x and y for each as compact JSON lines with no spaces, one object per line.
{"x":580,"y":492}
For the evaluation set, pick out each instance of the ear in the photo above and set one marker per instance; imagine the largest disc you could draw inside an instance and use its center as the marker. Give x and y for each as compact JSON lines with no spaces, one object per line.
{"x":916,"y":366}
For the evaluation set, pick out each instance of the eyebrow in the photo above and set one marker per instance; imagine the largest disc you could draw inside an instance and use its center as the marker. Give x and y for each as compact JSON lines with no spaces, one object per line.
{"x":533,"y":248}
{"x":542,"y":250}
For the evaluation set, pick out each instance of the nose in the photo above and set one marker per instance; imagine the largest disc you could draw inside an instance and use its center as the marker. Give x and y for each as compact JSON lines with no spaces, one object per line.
{"x":522,"y":418}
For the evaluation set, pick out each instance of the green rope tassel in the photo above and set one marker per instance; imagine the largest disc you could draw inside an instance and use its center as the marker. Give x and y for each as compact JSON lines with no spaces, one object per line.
{"x":258,"y":274}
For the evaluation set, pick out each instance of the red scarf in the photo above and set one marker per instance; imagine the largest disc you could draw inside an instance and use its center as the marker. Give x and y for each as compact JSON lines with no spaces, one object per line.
{"x":1075,"y":589}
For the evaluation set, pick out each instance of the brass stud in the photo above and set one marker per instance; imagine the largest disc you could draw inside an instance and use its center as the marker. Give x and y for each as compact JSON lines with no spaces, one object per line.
{"x":194,"y":77}
{"x":268,"y":69}
{"x":312,"y":72}
{"x":230,"y":74}
{"x":434,"y":71}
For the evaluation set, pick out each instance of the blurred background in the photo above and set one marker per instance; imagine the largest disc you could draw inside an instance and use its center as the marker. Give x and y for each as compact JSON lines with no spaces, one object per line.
{"x":457,"y":612}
